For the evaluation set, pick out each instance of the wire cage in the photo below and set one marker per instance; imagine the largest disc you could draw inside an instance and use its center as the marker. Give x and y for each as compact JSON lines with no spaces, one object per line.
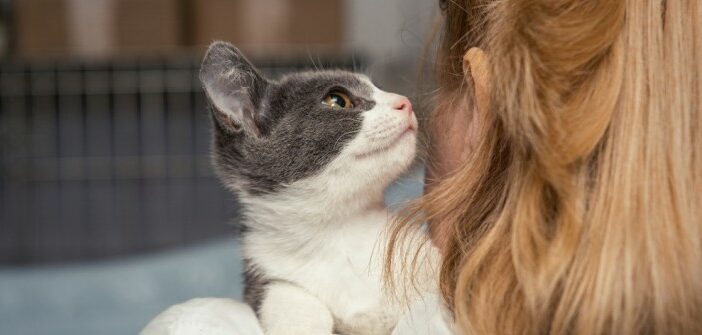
{"x":99,"y":159}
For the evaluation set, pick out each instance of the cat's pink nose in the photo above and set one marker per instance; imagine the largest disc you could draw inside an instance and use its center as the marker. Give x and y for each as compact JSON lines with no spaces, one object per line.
{"x":402,"y":104}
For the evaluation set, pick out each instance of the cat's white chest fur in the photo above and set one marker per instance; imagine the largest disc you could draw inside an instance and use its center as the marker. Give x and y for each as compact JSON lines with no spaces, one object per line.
{"x":341,"y":266}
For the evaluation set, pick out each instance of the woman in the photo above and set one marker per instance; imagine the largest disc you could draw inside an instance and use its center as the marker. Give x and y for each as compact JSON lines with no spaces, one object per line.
{"x":566,"y":197}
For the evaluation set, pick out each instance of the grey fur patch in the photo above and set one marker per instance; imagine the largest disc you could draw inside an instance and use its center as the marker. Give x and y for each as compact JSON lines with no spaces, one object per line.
{"x":293,"y":135}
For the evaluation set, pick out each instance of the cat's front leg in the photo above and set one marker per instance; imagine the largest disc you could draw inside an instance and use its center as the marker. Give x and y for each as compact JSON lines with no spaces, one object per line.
{"x":287,"y":309}
{"x":378,"y":321}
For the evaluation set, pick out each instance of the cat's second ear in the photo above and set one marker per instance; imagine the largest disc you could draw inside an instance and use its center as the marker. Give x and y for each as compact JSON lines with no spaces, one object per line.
{"x":234,"y":88}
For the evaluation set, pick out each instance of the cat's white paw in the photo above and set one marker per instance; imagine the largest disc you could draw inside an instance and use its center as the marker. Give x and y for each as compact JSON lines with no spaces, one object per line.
{"x":367,"y":323}
{"x":297,"y":331}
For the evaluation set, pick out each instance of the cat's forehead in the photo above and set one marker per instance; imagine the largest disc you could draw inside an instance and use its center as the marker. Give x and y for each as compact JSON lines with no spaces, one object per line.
{"x":355,"y":83}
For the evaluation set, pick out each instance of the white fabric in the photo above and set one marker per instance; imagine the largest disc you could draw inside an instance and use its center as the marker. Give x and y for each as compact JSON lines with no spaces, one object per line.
{"x":210,"y":316}
{"x":216,"y":316}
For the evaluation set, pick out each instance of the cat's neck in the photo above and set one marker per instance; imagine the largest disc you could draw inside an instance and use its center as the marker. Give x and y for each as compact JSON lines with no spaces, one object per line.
{"x":293,"y":211}
{"x":304,"y":225}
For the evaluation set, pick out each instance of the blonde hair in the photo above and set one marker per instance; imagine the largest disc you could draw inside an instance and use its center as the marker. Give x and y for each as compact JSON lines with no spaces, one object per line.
{"x":579,"y":209}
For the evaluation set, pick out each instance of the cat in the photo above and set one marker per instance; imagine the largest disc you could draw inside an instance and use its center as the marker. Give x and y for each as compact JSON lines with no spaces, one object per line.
{"x":309,"y":157}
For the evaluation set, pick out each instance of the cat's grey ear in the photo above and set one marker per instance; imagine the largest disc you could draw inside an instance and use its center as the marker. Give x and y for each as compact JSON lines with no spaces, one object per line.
{"x":234,"y":88}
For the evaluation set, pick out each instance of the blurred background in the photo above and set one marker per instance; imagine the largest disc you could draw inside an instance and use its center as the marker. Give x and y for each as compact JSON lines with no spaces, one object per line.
{"x":109,"y":211}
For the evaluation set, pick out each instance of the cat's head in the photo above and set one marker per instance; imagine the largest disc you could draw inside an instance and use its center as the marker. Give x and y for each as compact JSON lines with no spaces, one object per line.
{"x":324,"y":130}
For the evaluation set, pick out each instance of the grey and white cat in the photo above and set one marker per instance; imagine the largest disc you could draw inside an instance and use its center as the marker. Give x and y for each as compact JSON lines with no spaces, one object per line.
{"x":309,"y":157}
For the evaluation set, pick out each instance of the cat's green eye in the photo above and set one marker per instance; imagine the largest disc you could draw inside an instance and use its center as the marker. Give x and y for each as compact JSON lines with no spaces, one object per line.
{"x":337,"y":99}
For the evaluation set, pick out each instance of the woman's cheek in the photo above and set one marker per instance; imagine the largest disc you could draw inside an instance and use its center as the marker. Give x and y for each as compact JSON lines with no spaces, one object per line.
{"x":452,"y":136}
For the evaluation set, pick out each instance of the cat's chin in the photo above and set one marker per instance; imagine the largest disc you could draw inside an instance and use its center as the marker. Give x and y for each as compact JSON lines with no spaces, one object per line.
{"x":408,"y":137}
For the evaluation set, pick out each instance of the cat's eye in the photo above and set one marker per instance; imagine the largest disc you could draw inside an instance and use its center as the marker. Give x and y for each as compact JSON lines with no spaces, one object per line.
{"x":337,"y":99}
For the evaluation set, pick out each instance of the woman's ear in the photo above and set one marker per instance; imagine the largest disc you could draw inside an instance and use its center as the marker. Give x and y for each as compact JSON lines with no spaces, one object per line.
{"x":476,"y":69}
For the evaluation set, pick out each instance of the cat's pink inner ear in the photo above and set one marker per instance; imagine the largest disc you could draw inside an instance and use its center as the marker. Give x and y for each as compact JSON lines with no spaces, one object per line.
{"x":232,"y":110}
